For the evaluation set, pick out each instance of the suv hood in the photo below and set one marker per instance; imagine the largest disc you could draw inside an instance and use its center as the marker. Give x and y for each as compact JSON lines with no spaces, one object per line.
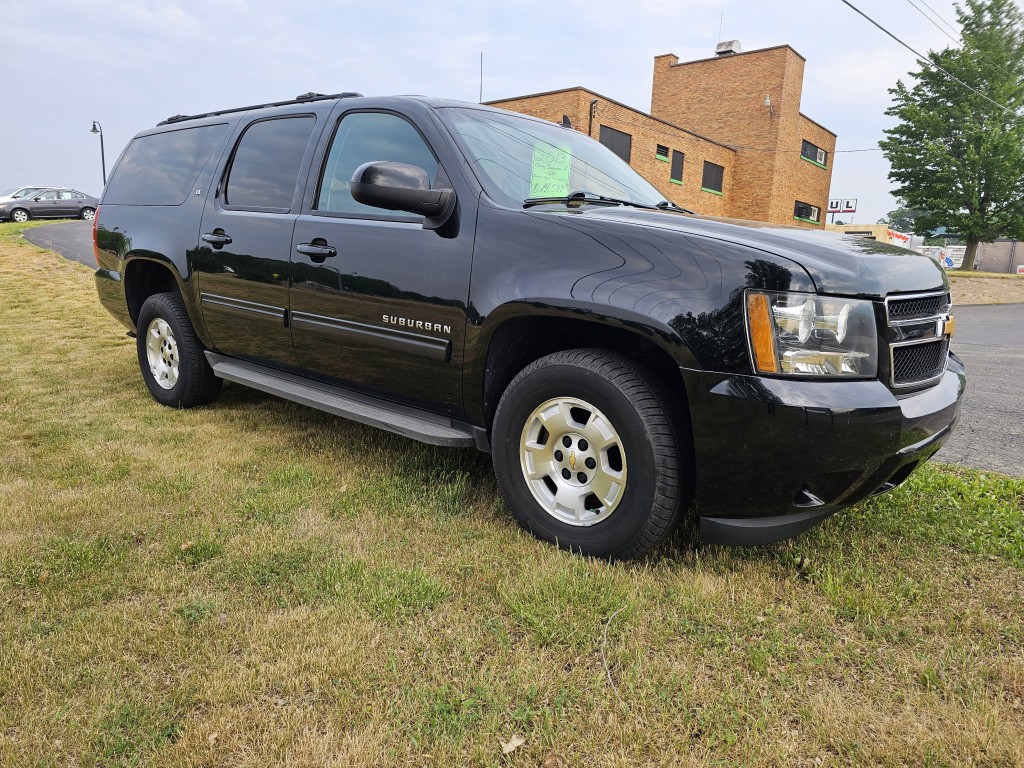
{"x":843,"y":265}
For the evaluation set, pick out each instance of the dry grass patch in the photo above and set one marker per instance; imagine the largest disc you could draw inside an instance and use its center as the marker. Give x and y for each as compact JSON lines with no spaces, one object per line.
{"x":255,"y":583}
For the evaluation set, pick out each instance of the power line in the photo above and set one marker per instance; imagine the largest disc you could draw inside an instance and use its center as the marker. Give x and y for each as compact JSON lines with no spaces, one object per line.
{"x":934,"y":23}
{"x":923,"y":60}
{"x":939,"y":16}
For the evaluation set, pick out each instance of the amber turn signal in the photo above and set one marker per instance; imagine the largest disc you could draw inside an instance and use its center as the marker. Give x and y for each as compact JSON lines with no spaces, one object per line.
{"x":949,"y":326}
{"x":762,"y":334}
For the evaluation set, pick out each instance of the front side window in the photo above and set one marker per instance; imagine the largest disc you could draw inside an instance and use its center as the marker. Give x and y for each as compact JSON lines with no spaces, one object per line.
{"x":266,"y":164}
{"x":806,"y":212}
{"x":51,"y":195}
{"x":367,"y":137}
{"x":714,"y":176}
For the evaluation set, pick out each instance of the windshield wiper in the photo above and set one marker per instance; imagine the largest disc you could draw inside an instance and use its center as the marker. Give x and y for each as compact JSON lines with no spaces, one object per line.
{"x":579,"y":198}
{"x":668,"y":205}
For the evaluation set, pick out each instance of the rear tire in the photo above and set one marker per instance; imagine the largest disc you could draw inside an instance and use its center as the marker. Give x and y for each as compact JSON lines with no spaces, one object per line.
{"x":591,"y":454}
{"x":171,"y":356}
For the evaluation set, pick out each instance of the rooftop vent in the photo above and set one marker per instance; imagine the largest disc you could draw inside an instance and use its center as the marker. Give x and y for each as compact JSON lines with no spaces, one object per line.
{"x":728,"y":48}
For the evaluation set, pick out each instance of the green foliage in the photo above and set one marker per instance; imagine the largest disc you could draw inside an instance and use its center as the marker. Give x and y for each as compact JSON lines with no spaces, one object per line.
{"x":956,"y":154}
{"x":903,"y":219}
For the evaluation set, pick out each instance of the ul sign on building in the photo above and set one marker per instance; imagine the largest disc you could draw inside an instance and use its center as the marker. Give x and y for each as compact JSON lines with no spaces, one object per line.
{"x":842,"y":205}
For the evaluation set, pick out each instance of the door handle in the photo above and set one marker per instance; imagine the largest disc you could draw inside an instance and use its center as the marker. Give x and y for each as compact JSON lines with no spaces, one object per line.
{"x":317,"y":251}
{"x":216,"y":238}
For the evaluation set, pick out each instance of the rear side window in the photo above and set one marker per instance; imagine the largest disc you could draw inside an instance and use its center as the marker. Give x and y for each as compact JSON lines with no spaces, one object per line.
{"x":161,"y":168}
{"x":266,"y":164}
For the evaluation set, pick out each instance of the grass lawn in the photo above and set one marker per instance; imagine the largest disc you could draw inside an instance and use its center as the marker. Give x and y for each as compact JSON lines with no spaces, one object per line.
{"x":256,"y":583}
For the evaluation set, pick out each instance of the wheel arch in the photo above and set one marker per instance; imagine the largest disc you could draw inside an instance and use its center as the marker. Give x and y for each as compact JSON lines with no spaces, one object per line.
{"x":519,"y":339}
{"x":144,"y":277}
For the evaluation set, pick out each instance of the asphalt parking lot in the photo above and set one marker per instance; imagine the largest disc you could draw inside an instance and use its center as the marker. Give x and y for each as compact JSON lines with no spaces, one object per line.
{"x":989,"y":339}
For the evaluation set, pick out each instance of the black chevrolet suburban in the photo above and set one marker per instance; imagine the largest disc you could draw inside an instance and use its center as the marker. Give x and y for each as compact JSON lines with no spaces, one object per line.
{"x":467,"y":276}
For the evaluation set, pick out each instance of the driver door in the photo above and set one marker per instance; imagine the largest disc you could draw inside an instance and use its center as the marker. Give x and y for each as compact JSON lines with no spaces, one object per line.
{"x":378,"y":302}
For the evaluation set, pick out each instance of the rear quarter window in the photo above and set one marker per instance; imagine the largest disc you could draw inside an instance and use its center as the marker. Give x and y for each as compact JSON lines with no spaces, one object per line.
{"x":160,"y":169}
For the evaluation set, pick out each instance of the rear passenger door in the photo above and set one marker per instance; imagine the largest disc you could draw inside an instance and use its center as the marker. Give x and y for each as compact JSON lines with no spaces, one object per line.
{"x":246,"y":235}
{"x":68,"y":204}
{"x":384,"y":307}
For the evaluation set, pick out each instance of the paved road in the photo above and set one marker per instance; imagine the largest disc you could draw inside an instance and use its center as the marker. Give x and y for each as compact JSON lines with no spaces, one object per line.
{"x":71,"y":239}
{"x":989,"y":339}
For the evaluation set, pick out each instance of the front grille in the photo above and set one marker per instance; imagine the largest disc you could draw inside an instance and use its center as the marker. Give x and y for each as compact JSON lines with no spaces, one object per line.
{"x":918,"y":346}
{"x":918,"y":306}
{"x":916,"y":363}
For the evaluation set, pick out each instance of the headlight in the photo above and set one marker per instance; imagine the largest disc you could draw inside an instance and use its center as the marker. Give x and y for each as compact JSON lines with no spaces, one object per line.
{"x":800,"y":334}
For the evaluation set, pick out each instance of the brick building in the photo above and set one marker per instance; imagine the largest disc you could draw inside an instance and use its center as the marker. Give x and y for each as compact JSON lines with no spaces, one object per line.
{"x":724,"y":137}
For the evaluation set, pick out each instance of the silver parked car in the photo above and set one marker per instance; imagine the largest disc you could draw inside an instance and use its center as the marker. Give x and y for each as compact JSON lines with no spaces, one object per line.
{"x":17,"y":193}
{"x":58,"y":203}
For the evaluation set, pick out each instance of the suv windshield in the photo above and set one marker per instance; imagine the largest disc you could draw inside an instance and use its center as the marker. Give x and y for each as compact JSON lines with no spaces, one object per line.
{"x":520,"y":158}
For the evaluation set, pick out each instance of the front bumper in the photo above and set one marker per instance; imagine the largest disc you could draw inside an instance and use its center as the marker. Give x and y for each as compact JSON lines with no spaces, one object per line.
{"x":775,"y":457}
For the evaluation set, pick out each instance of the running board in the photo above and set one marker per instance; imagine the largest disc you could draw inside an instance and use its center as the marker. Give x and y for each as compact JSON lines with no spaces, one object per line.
{"x":410,"y":422}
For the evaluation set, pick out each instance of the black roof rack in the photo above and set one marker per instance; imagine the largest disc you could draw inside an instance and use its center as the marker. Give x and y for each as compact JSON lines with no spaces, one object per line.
{"x":305,"y":97}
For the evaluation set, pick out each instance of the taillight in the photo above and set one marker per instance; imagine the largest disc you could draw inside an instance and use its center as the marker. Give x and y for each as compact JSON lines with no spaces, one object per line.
{"x":95,"y":245}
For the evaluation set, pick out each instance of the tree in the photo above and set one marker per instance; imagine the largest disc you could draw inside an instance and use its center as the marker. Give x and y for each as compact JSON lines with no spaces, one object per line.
{"x":957,"y":154}
{"x":904,"y":219}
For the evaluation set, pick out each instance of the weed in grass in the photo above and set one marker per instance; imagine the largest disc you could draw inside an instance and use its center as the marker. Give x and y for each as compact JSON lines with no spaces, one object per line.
{"x":568,"y":605}
{"x":67,"y":561}
{"x":134,"y":732}
{"x":440,"y":494}
{"x":274,"y":498}
{"x":446,"y":713}
{"x":195,"y":552}
{"x":979,"y":512}
{"x":393,"y":594}
{"x":196,"y":611}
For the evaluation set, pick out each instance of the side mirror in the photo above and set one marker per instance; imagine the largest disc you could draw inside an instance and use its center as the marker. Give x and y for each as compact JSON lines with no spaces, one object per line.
{"x":36,"y":199}
{"x":403,"y":187}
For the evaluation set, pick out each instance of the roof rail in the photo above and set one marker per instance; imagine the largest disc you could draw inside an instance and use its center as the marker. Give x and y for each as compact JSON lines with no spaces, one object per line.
{"x":302,"y":99}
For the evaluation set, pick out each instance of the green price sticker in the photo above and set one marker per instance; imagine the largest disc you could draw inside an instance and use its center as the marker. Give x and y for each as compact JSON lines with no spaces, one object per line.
{"x":550,"y":174}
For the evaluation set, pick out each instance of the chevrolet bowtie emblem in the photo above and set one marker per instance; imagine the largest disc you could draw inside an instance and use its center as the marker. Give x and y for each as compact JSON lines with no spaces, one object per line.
{"x":572,"y":459}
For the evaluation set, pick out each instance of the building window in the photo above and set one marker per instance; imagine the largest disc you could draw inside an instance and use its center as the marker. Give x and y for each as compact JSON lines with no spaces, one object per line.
{"x":661,"y":153}
{"x":806,"y":212}
{"x":618,"y":142}
{"x":713,"y":178}
{"x":677,"y":167}
{"x":815,"y":154}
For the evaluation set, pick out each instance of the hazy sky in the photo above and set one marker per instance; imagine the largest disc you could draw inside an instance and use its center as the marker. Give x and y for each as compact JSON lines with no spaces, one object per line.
{"x":131,"y":64}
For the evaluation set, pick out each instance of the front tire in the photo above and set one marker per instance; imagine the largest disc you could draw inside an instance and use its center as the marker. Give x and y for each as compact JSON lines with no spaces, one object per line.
{"x":19,"y":215}
{"x":171,"y":356}
{"x":590,"y":454}
{"x":88,"y":214}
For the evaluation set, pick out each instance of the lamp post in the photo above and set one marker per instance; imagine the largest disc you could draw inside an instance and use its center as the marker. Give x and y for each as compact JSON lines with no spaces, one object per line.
{"x":97,"y":128}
